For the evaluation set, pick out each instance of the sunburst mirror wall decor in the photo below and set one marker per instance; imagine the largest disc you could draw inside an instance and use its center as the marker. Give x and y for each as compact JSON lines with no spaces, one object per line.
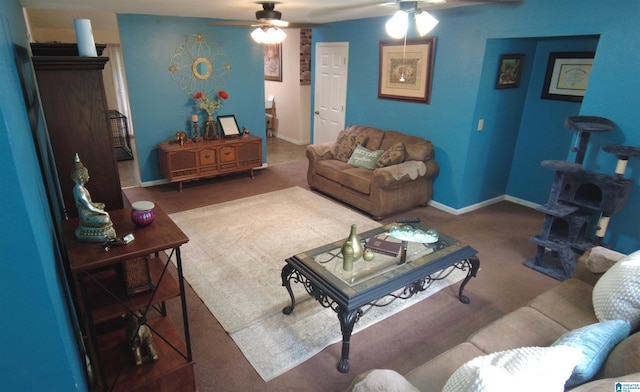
{"x":199,"y":66}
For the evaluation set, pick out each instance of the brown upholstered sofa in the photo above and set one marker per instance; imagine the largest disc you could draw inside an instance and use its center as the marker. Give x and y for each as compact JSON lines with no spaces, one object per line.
{"x":564,"y":308}
{"x":402,"y":178}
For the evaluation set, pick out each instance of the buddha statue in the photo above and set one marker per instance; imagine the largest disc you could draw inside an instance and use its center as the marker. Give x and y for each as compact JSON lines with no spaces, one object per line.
{"x":94,"y":222}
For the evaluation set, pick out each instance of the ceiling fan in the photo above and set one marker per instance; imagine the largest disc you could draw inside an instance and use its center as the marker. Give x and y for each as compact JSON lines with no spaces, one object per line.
{"x":267,"y":17}
{"x":382,"y":6}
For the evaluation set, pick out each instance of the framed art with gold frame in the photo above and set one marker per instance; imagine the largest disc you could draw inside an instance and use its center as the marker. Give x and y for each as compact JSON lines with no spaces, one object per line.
{"x":406,"y":69}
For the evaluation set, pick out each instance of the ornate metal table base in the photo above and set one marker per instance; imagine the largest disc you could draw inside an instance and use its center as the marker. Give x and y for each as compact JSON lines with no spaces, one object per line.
{"x":348,"y":318}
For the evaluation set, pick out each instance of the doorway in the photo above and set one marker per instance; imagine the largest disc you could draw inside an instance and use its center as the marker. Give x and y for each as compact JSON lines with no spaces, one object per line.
{"x":331,"y":66}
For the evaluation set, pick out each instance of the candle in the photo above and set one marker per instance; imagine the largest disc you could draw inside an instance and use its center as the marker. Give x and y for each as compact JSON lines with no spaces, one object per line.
{"x":194,"y":118}
{"x":84,"y":36}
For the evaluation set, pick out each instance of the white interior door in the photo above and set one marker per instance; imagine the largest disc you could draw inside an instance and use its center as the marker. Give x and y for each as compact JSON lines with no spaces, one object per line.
{"x":330,"y":90}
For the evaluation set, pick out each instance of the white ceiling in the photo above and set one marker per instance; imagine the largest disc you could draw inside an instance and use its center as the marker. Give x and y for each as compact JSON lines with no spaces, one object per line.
{"x":57,"y":14}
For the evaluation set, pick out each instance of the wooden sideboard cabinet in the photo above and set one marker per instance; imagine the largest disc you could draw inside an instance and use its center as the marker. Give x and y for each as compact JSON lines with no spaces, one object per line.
{"x":209,"y":158}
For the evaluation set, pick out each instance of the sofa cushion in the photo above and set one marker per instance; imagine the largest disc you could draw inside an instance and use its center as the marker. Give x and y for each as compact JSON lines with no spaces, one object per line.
{"x":608,"y":384}
{"x":431,"y":376}
{"x":358,"y":179}
{"x":392,"y":156}
{"x":624,"y":359}
{"x":331,"y":169}
{"x":507,"y":332}
{"x":373,"y":136}
{"x":346,"y":143}
{"x":381,"y":380}
{"x":364,"y":158}
{"x":523,"y":369}
{"x":599,"y":259}
{"x":417,"y":148}
{"x":569,"y":304}
{"x":616,"y":295}
{"x":596,"y":342}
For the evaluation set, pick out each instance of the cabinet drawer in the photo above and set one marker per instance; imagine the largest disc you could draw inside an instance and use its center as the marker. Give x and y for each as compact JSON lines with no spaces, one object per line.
{"x":207,"y":156}
{"x":228,"y":154}
{"x":182,"y":164}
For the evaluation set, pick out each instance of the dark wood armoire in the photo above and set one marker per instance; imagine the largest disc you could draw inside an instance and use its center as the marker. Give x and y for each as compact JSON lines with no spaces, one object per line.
{"x":77,"y":116}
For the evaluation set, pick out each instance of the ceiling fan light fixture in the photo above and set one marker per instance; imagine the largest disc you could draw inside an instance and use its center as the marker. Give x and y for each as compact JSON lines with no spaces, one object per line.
{"x":271,"y":35}
{"x":425,"y":22}
{"x":396,"y":27}
{"x":258,"y":35}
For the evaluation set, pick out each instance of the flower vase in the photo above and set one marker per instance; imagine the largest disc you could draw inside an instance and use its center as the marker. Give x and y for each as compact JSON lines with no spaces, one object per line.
{"x":355,"y":243}
{"x":210,"y":129}
{"x":347,"y":256}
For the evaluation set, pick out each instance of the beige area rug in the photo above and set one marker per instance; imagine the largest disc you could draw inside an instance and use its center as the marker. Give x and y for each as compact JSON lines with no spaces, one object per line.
{"x":233,"y":260}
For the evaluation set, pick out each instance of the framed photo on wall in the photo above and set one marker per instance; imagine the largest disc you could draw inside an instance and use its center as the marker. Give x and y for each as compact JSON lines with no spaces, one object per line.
{"x":567,"y":75}
{"x":406,"y":70}
{"x":273,"y":62}
{"x":510,"y":71}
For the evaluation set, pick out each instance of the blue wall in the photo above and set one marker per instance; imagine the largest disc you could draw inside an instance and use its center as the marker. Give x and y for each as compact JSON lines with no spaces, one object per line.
{"x":39,"y":346}
{"x":521,"y":129}
{"x":159,"y":106}
{"x":542,"y":133}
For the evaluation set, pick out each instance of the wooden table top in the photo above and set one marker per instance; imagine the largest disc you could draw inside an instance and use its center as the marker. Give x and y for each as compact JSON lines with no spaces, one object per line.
{"x":161,"y":234}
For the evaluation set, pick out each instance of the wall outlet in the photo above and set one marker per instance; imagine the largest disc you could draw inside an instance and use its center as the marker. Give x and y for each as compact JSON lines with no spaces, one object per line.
{"x":481,"y":124}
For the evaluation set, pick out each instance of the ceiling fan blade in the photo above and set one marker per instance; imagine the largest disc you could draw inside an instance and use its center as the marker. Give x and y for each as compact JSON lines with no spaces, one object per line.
{"x":390,"y":5}
{"x":233,"y":23}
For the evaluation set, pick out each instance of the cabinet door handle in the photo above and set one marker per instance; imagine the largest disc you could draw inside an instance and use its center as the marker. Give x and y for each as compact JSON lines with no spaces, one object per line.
{"x":227,"y":153}
{"x":208,"y":156}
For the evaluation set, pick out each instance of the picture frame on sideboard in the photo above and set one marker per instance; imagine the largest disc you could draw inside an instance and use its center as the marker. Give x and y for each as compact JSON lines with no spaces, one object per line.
{"x":229,"y":125}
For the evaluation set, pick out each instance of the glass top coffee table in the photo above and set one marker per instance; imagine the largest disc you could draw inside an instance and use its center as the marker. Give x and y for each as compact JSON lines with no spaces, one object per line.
{"x":379,"y":281}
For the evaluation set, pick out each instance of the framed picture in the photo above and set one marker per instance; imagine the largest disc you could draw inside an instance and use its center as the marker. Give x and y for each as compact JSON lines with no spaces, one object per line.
{"x":567,"y":75}
{"x":406,"y":69}
{"x":273,"y":62}
{"x":510,"y":70}
{"x":229,"y":125}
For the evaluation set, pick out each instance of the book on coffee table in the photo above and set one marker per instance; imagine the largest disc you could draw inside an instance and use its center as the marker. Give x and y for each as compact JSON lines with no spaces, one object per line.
{"x":383,"y":246}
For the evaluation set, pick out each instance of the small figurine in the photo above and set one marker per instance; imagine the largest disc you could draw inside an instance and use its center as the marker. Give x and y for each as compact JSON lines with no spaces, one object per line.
{"x":94,"y":222}
{"x":181,"y":137}
{"x":139,"y":337}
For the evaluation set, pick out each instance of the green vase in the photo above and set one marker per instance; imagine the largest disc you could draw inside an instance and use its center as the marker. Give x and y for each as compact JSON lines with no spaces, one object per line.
{"x":355,"y":243}
{"x":347,"y":256}
{"x":210,"y":129}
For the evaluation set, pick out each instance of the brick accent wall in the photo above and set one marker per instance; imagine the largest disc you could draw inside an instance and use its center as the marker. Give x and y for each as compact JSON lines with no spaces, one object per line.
{"x":305,"y":57}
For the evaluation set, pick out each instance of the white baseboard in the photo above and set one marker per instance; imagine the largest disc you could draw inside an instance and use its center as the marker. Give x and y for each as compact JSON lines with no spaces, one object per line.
{"x":523,"y":202}
{"x":290,"y":140}
{"x":473,"y":207}
{"x":154,"y":182}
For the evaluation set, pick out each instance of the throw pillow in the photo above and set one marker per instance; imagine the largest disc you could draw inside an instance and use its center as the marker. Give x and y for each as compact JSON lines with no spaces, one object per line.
{"x":523,"y":369}
{"x":393,"y":156}
{"x":346,"y":143}
{"x":596,"y":342}
{"x":381,"y":380}
{"x":362,"y":157}
{"x":616,"y":295}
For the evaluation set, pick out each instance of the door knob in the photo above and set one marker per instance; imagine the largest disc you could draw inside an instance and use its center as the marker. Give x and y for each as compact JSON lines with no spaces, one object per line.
{"x":316,"y":112}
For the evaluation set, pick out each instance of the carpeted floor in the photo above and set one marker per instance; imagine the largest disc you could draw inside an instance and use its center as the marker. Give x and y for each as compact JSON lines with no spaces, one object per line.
{"x":498,"y":232}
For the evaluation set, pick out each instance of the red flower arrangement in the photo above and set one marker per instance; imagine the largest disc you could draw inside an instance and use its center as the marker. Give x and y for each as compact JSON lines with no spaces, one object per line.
{"x":210,"y":105}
